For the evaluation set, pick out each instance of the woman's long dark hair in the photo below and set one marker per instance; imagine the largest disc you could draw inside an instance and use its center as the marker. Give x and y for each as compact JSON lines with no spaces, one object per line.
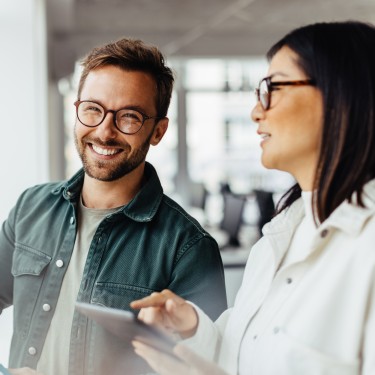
{"x":340,"y":57}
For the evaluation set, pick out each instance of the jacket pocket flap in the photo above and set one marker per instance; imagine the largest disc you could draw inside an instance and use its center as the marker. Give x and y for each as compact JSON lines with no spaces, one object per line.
{"x":118,"y":295}
{"x":28,"y":261}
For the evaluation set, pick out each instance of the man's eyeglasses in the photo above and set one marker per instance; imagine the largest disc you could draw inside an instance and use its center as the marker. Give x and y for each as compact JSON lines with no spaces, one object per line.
{"x":127,"y":121}
{"x":266,"y":86}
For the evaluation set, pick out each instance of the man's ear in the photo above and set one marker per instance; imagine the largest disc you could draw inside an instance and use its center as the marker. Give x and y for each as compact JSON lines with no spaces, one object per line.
{"x":159,"y":131}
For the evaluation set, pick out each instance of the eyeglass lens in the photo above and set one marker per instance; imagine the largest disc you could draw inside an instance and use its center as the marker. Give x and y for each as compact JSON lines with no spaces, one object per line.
{"x":264,"y":94}
{"x":92,"y":114}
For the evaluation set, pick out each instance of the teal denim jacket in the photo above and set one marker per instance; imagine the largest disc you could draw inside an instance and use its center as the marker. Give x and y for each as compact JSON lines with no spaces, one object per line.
{"x":148,"y":245}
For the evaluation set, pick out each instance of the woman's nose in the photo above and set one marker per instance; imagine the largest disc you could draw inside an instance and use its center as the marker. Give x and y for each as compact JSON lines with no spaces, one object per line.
{"x":257,"y":112}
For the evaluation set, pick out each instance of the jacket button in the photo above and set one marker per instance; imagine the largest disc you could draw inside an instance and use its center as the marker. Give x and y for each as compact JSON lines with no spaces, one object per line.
{"x":276,"y":330}
{"x":46,"y":307}
{"x":59,"y":263}
{"x":32,"y":350}
{"x":289,"y":280}
{"x":72,"y":220}
{"x":324,"y":233}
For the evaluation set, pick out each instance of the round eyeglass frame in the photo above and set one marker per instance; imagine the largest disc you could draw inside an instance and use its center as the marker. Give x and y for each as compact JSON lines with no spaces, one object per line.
{"x":145,"y":117}
{"x":265,"y":102}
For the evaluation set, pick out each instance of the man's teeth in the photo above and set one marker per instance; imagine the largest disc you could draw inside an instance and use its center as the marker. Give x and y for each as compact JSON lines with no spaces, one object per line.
{"x":104,"y":151}
{"x":265,"y":135}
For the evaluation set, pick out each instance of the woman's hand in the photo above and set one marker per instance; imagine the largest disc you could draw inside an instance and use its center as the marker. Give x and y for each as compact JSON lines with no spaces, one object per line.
{"x":187,"y":363}
{"x":169,"y":312}
{"x":23,"y":371}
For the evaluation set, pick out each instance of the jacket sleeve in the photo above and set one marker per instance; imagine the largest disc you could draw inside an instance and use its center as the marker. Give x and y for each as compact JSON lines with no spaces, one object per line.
{"x":207,"y":340}
{"x":7,"y":241}
{"x":198,"y":276}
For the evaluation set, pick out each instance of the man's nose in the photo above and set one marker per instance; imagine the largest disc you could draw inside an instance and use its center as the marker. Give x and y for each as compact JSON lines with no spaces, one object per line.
{"x":107,"y":128}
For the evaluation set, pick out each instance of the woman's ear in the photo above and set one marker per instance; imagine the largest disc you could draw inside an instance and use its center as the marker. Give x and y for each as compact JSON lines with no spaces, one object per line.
{"x":159,"y":131}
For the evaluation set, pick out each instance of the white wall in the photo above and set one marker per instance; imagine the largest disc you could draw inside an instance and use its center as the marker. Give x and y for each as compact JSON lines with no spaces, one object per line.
{"x":23,"y":124}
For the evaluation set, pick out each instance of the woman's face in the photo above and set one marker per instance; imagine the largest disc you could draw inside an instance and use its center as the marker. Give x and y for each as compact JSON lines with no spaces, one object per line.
{"x":291,"y":128}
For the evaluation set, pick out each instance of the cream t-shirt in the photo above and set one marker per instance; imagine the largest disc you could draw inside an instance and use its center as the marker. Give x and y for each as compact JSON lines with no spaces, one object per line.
{"x":54,"y":358}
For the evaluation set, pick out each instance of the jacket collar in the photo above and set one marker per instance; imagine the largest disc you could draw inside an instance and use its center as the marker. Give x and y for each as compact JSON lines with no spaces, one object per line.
{"x":349,"y":217}
{"x":145,"y":204}
{"x":281,"y":228}
{"x":142,"y":207}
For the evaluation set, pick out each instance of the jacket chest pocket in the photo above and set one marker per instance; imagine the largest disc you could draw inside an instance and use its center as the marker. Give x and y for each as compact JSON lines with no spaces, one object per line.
{"x":118,"y":295}
{"x":27,"y":268}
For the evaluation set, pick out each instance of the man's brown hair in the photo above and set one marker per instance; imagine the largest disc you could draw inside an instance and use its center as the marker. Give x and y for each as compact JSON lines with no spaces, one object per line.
{"x":133,"y":55}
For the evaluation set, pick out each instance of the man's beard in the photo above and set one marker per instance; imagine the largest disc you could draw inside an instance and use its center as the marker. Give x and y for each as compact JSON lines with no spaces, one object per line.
{"x":112,"y":170}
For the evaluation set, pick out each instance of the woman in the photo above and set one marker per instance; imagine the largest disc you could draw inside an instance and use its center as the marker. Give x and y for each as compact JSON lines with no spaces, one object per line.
{"x":307,"y":301}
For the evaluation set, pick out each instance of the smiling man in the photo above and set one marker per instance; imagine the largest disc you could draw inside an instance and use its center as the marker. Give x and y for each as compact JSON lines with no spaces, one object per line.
{"x":108,"y":235}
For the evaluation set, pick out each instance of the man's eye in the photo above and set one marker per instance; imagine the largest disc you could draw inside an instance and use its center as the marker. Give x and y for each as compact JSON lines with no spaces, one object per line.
{"x":93,"y":109}
{"x":131,"y":116}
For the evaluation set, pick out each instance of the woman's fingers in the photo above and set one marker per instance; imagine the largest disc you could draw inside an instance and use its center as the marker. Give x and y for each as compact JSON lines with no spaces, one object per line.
{"x":152,"y":315}
{"x":187,"y":355}
{"x":23,"y":371}
{"x":183,"y":317}
{"x":156,"y":299}
{"x":198,"y":365}
{"x":162,"y":363}
{"x":168,"y":311}
{"x":189,"y":363}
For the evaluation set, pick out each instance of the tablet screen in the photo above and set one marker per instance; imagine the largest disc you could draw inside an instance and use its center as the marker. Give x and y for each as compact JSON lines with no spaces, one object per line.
{"x":127,"y":326}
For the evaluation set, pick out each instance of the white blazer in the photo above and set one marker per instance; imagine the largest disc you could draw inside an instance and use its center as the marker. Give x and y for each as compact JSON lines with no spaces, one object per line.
{"x":316,"y":316}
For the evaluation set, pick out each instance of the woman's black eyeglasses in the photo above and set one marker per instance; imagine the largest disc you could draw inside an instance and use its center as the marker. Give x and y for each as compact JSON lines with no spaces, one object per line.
{"x":266,"y":86}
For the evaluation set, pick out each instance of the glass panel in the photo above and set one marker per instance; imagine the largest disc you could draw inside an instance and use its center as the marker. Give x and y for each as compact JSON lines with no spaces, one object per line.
{"x":72,"y":161}
{"x":205,"y":74}
{"x":164,"y":155}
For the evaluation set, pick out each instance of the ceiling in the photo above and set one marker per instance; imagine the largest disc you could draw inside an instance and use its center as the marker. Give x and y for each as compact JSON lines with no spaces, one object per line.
{"x":185,"y":28}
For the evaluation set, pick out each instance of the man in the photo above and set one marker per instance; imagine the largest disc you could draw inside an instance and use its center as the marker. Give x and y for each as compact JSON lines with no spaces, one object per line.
{"x":108,"y":235}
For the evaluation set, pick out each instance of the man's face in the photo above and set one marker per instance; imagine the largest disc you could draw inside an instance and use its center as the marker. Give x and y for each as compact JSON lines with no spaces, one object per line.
{"x":106,"y":153}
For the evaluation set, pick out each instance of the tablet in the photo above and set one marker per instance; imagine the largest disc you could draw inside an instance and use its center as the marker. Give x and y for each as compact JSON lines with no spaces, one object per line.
{"x":3,"y":370}
{"x":127,"y":326}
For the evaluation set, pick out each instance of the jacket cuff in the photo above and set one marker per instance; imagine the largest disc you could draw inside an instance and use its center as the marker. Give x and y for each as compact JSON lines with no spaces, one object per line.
{"x":206,"y":339}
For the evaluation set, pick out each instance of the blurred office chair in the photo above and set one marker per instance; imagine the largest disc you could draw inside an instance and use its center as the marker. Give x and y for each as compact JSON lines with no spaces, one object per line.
{"x":197,"y":198}
{"x":266,"y":207}
{"x":225,"y":188}
{"x":198,"y":195}
{"x":232,"y":218}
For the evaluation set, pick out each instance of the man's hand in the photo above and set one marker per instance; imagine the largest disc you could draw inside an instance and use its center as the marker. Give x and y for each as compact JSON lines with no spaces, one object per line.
{"x":169,"y":312}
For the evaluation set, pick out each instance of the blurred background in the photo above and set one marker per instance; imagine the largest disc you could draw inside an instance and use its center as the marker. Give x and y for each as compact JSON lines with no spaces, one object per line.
{"x":209,"y":160}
